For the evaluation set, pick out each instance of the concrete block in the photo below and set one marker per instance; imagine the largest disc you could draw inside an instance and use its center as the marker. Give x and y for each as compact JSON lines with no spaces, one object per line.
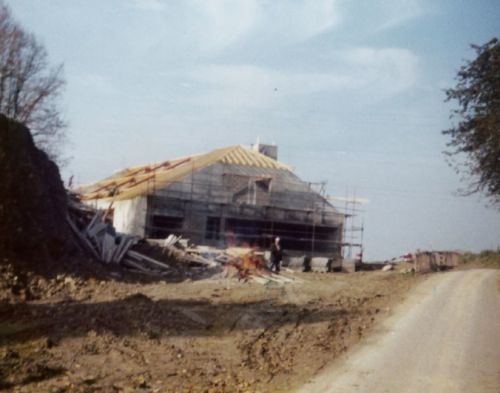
{"x":295,"y":263}
{"x":319,"y":264}
{"x":349,"y":265}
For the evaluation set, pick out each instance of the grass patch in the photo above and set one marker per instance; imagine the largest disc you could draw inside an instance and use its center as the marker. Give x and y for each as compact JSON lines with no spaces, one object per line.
{"x":486,"y":258}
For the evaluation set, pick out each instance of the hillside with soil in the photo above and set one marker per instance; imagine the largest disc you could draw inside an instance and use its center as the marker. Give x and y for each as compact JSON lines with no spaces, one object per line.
{"x":33,"y":202}
{"x":212,"y":335}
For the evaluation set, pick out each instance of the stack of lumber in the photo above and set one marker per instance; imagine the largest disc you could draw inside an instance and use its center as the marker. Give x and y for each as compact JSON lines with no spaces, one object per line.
{"x":145,"y":264}
{"x":179,"y":249}
{"x":102,"y":241}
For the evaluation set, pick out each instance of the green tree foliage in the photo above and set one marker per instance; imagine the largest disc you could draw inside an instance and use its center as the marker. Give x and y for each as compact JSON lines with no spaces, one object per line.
{"x":474,"y":149}
{"x":29,"y":87}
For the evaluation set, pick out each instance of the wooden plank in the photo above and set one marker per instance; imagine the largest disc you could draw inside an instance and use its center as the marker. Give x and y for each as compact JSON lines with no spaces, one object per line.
{"x":282,"y":277}
{"x":204,"y":250}
{"x":96,"y":229}
{"x":223,"y":258}
{"x":142,"y":257}
{"x":171,"y":240}
{"x":128,"y":242}
{"x":82,"y":238}
{"x":108,"y":247}
{"x":135,"y":265}
{"x":183,"y":243}
{"x":121,"y":248}
{"x":260,"y":280}
{"x":274,"y":277}
{"x":190,"y":258}
{"x":108,"y":210}
{"x":98,"y":241}
{"x":94,"y":220}
{"x":118,"y":249}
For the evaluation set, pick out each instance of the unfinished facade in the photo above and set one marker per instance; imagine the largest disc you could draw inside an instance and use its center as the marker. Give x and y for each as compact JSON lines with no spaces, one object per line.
{"x":230,"y":196}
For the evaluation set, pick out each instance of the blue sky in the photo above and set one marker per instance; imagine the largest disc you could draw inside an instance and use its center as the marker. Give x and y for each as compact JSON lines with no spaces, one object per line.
{"x":351,"y":91}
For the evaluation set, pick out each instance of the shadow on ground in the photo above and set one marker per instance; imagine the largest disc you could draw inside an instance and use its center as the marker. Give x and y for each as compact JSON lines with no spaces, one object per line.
{"x":139,"y":315}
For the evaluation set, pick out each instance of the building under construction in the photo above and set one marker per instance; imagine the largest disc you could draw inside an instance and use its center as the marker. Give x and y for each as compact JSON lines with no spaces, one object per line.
{"x":229,"y":196}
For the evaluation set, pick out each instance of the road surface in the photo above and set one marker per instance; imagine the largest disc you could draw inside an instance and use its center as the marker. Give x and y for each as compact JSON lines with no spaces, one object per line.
{"x":444,"y":338}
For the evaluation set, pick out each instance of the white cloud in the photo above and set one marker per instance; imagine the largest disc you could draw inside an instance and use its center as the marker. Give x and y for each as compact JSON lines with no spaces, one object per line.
{"x":367,"y":72}
{"x":149,"y":5}
{"x":232,"y":85}
{"x":397,"y":12}
{"x":299,"y":20}
{"x":99,"y":85}
{"x":226,"y":21}
{"x":388,"y":70}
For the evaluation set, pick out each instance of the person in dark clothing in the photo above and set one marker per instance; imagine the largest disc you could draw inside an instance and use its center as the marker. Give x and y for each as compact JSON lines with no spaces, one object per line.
{"x":276,"y":255}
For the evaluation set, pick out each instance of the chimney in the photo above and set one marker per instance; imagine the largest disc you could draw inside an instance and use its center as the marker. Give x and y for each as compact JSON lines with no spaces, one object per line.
{"x":270,"y":151}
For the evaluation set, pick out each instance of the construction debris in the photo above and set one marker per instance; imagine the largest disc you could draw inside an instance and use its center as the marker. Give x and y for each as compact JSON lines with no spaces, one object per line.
{"x":164,"y":257}
{"x":101,"y":239}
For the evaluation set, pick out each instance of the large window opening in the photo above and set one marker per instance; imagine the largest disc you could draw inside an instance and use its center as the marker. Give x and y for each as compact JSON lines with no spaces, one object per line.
{"x":306,"y":237}
{"x":212,"y":230}
{"x":249,"y":232}
{"x":162,"y":226}
{"x":296,"y":237}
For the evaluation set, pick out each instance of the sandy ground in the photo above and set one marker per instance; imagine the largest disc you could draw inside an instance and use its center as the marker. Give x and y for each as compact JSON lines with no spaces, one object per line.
{"x":73,"y":334}
{"x":444,"y":338}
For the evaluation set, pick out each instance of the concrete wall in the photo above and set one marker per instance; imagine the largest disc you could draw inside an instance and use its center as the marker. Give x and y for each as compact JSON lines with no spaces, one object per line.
{"x":130,"y":216}
{"x":270,"y":221}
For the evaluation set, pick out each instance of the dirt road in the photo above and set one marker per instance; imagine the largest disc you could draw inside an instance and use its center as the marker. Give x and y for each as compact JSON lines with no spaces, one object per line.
{"x":444,"y":338}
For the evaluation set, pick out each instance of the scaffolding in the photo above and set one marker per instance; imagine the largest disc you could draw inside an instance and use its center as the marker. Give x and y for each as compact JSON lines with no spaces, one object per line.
{"x":253,"y":206}
{"x":353,"y":230}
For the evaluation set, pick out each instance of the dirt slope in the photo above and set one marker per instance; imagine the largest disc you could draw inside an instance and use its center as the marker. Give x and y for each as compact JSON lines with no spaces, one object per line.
{"x":445,"y":338}
{"x":85,"y":335}
{"x":33,"y":204}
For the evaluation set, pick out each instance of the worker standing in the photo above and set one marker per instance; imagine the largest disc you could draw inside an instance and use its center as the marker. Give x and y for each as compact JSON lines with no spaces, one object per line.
{"x":276,"y":255}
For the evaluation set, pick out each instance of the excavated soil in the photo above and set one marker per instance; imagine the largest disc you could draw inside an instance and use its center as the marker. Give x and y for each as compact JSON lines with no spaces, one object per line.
{"x":214,"y":335}
{"x":33,"y":203}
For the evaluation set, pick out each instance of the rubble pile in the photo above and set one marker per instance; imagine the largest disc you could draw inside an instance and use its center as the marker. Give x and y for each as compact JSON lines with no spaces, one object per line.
{"x":173,"y":256}
{"x":98,"y":238}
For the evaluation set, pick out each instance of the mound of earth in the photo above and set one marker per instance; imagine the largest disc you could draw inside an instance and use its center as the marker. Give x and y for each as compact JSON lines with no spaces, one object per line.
{"x":33,"y":202}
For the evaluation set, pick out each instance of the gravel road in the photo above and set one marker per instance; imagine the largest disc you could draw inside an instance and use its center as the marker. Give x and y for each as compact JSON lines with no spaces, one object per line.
{"x":444,"y":338}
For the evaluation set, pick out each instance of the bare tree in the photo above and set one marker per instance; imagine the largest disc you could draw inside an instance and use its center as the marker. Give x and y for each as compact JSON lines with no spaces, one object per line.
{"x":29,"y":87}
